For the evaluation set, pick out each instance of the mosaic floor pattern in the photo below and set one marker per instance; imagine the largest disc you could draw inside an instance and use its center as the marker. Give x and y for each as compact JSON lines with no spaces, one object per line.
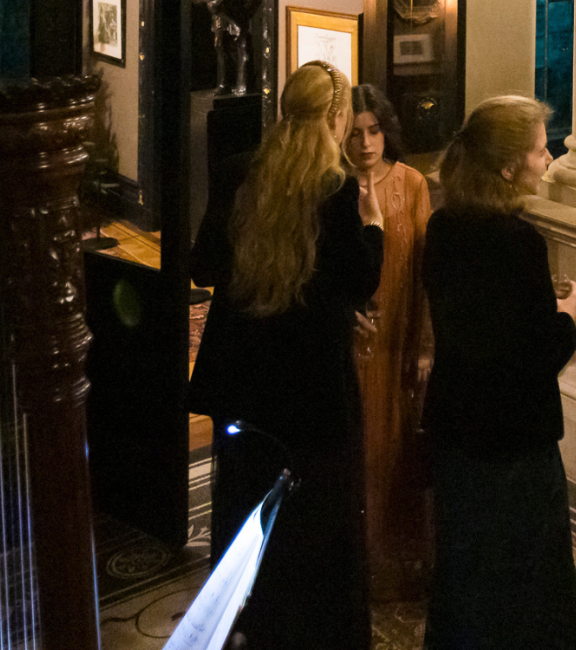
{"x":145,"y":589}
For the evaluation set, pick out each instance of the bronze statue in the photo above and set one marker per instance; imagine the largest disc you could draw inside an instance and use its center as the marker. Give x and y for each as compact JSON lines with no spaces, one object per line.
{"x":232,"y":40}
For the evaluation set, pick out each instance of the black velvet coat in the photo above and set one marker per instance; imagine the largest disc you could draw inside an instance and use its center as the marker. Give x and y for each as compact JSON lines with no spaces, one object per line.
{"x":293,"y":377}
{"x":295,"y":371}
{"x":500,"y":342}
{"x":504,"y":573}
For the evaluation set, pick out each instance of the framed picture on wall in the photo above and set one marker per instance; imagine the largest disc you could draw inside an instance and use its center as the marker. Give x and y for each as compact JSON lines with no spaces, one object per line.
{"x":332,"y":37}
{"x":108,"y":30}
{"x":413,"y":48}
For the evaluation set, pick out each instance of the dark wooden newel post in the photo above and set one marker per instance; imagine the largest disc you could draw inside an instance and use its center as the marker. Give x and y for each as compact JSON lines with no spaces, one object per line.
{"x":42,"y":127}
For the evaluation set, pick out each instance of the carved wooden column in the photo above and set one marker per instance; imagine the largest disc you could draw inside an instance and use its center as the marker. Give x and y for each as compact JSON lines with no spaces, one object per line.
{"x":42,"y":127}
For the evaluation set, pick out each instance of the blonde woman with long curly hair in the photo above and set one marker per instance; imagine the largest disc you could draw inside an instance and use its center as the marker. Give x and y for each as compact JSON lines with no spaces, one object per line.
{"x":291,"y":254}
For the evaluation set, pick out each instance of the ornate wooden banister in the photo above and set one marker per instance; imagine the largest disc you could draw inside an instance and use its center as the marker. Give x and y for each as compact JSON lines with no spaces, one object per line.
{"x":42,"y":127}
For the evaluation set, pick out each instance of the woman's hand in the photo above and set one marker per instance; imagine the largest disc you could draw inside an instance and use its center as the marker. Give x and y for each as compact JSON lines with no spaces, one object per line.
{"x":424,"y":368}
{"x":370,"y":212}
{"x":418,"y":368}
{"x":568,"y":304}
{"x":365,"y":324}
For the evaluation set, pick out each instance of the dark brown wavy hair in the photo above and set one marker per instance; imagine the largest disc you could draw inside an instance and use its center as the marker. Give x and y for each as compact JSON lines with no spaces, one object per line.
{"x":366,"y":98}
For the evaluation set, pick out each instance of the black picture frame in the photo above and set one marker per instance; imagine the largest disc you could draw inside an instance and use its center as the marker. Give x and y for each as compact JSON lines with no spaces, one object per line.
{"x":108,"y":31}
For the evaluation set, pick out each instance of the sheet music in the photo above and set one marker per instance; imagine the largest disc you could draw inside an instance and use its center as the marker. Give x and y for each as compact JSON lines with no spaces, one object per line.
{"x":207,"y":623}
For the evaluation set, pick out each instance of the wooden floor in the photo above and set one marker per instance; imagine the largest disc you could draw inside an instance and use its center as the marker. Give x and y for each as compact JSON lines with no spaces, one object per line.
{"x":144,"y":247}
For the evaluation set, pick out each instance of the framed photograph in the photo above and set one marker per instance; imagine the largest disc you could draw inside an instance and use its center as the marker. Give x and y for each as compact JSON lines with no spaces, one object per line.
{"x":332,"y":37}
{"x":412,"y":48}
{"x":109,"y":30}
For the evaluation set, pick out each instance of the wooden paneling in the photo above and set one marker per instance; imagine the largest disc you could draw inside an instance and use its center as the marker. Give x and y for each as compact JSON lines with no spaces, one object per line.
{"x":375,"y":43}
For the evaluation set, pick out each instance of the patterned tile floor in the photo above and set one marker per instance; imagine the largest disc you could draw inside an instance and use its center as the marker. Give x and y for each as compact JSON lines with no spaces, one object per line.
{"x":140,"y":612}
{"x":145,"y":589}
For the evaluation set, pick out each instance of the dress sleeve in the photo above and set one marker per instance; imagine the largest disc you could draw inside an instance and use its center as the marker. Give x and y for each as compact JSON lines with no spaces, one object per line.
{"x":419,"y":339}
{"x":550,"y":335}
{"x":421,"y":216}
{"x":423,"y":212}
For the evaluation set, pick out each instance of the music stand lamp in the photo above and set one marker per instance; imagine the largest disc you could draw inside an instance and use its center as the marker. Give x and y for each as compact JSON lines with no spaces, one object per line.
{"x":208,"y":623}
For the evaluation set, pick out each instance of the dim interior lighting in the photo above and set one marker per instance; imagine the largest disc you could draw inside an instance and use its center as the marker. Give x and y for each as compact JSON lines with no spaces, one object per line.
{"x":240,"y":426}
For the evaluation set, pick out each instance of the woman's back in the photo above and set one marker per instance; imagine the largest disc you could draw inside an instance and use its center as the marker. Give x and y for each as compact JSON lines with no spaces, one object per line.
{"x":293,"y":363}
{"x":498,"y":338}
{"x":504,"y":573}
{"x":290,"y":261}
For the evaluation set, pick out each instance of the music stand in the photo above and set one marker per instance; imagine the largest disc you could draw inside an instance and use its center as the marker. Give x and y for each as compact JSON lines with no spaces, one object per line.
{"x":209,"y":621}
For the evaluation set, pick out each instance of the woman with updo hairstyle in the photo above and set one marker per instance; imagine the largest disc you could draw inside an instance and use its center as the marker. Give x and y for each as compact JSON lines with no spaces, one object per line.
{"x":504,"y":573}
{"x":393,"y":375}
{"x":291,"y":248}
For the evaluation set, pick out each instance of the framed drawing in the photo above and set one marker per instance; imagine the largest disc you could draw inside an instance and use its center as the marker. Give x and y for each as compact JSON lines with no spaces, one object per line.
{"x":412,"y":48}
{"x":108,"y":27}
{"x":332,"y":37}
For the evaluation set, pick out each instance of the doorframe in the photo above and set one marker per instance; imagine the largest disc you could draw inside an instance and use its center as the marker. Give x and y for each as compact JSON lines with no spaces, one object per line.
{"x":375,"y":59}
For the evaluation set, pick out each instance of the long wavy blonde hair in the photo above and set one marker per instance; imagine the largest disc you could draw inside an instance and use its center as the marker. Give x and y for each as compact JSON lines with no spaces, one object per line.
{"x":275,"y":224}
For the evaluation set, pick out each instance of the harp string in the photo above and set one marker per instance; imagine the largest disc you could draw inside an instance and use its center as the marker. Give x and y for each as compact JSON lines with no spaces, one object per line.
{"x":5,"y":421}
{"x":18,"y":608}
{"x":21,"y":594}
{"x":34,"y":610}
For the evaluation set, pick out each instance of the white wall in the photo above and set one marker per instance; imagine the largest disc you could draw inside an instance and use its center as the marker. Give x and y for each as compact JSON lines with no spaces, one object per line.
{"x":500,"y":49}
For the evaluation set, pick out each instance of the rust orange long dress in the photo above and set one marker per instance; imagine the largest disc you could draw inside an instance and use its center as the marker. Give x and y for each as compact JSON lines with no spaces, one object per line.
{"x":398,"y":534}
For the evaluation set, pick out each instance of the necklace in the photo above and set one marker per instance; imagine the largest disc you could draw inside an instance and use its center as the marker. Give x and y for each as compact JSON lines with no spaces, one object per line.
{"x":362,"y":178}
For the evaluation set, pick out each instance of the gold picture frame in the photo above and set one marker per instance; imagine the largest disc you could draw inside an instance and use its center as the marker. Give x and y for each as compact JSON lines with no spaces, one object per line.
{"x":325,"y":35}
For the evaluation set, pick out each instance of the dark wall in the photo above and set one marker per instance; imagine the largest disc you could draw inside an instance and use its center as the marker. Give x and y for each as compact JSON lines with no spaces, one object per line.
{"x":55,"y":37}
{"x":40,"y":38}
{"x":14,"y":38}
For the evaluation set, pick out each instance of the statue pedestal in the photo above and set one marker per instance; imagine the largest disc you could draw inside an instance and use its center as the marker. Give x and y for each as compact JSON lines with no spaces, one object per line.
{"x":201,"y":103}
{"x":222,"y":126}
{"x":234,"y":125}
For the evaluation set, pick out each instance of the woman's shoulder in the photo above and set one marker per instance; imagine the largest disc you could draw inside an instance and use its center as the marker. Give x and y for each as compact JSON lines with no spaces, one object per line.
{"x":348,"y":189}
{"x":350,"y":185}
{"x":484,"y":223}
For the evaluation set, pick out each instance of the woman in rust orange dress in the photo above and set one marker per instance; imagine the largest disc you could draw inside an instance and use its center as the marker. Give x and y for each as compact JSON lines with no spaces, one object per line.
{"x":393,"y":371}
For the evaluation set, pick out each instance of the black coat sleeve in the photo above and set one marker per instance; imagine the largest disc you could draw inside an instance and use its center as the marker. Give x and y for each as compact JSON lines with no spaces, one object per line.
{"x":351,"y":253}
{"x":550,"y":335}
{"x":493,"y":300}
